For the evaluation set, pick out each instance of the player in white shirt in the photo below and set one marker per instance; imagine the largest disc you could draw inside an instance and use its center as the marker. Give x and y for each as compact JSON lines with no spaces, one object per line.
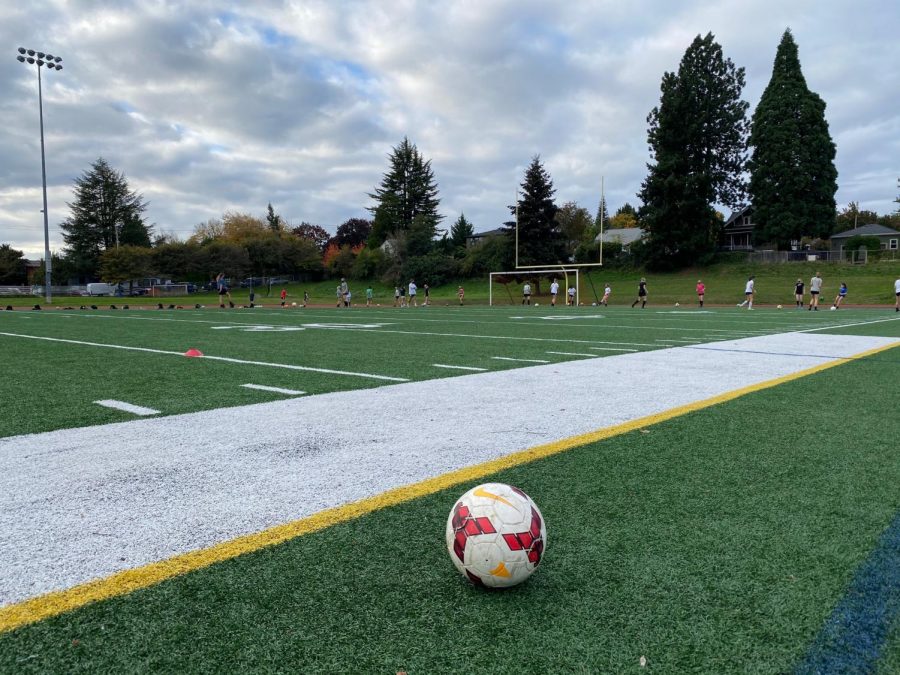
{"x":815,"y":287}
{"x":571,"y":296}
{"x":606,"y":293}
{"x":897,"y":293}
{"x":748,"y":294}
{"x":526,"y":294}
{"x":412,"y":293}
{"x":554,"y":290}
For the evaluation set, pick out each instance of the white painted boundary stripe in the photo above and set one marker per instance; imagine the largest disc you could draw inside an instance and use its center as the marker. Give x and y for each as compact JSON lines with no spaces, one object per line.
{"x":847,"y":325}
{"x":613,"y":349}
{"x":573,"y":354}
{"x":442,"y":365}
{"x":212,"y":358}
{"x":127,"y":407}
{"x":277,"y":390}
{"x":508,"y":358}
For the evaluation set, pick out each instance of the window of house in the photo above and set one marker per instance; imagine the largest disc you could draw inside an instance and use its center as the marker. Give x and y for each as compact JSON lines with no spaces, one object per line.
{"x":893,"y":245}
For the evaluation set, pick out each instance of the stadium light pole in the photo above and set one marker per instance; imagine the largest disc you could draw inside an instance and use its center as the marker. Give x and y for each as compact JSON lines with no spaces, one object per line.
{"x":32,"y":57}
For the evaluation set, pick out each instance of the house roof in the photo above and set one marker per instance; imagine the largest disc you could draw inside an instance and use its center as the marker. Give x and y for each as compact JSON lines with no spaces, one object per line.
{"x":737,"y":215}
{"x":866,"y":231}
{"x":623,"y":235}
{"x":489,"y":233}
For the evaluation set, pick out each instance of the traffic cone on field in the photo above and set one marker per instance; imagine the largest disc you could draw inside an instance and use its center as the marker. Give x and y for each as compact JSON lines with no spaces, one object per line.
{"x":193,"y":352}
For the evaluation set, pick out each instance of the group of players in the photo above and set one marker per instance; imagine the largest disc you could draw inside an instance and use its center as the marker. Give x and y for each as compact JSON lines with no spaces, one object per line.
{"x":815,"y":289}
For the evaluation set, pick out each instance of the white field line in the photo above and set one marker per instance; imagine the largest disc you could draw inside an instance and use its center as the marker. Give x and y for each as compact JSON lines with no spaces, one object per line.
{"x":193,"y":480}
{"x":224,"y":359}
{"x":472,"y":368}
{"x":593,"y":356}
{"x":509,"y":358}
{"x":614,"y":349}
{"x":127,"y":407}
{"x":679,"y":340}
{"x":848,"y":325}
{"x":276,"y":390}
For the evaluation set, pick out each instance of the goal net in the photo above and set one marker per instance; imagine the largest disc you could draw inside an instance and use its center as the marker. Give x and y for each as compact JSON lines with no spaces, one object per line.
{"x":509,"y":287}
{"x":169,"y":290}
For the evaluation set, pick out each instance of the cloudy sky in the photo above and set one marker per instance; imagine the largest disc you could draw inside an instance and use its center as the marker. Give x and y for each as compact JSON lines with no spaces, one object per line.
{"x":215,"y":106}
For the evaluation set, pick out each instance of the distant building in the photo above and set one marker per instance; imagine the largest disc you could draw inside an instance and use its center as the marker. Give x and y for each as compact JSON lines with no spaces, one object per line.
{"x":737,"y":234}
{"x":480,"y":237}
{"x":625,"y":236}
{"x":890,"y":239}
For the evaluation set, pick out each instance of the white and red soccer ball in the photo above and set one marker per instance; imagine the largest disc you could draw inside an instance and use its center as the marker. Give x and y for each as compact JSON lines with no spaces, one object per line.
{"x":496,"y":535}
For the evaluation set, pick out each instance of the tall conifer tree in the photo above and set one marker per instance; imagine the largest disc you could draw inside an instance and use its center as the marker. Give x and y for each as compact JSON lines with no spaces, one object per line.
{"x":541,"y":241}
{"x":698,"y":139}
{"x":793,"y":179}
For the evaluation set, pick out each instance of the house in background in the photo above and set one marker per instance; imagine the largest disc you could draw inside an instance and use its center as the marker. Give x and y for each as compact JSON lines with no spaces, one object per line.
{"x":625,"y":236}
{"x":737,"y":233}
{"x":890,"y":239}
{"x":480,"y":237}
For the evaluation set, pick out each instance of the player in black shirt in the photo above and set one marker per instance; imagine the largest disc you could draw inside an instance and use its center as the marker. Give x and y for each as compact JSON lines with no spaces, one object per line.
{"x":642,"y":294}
{"x":798,"y":293}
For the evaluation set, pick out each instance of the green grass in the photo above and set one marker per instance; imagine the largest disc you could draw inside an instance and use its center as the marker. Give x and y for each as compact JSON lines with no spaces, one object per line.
{"x":60,"y":381}
{"x":717,"y":542}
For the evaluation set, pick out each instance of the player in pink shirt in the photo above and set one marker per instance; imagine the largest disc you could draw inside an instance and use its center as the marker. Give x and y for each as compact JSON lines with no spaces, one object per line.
{"x":701,"y":290}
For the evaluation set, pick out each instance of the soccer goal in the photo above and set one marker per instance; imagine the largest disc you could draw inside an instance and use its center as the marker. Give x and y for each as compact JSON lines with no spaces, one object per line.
{"x":520,"y":277}
{"x":169,"y":290}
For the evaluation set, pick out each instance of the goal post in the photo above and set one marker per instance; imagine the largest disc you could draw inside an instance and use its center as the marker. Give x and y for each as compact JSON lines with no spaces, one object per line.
{"x":521,"y":276}
{"x":168,"y":290}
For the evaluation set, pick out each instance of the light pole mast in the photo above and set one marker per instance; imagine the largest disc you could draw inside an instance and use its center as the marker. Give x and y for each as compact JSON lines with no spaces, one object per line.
{"x":52,"y":62}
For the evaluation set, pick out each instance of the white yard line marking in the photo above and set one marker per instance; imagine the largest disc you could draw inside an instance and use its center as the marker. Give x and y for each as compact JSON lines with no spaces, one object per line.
{"x":573,"y":354}
{"x":190,"y":481}
{"x":127,"y":407}
{"x":277,"y":390}
{"x":472,"y":368}
{"x":225,"y":359}
{"x":508,"y":358}
{"x":677,"y":340}
{"x":614,"y":349}
{"x":847,"y":325}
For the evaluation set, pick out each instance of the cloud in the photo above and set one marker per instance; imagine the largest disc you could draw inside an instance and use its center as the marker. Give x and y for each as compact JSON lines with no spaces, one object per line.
{"x":213,"y":106}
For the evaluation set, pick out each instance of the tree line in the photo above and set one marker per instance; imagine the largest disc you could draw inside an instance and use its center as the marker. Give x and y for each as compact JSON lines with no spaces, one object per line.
{"x":704,"y":152}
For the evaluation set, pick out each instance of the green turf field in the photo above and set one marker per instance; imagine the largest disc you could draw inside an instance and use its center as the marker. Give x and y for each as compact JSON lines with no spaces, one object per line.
{"x":717,"y":541}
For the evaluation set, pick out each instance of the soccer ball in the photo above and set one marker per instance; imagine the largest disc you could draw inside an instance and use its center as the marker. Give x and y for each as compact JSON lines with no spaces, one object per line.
{"x":537,"y":304}
{"x":293,"y":304}
{"x":833,"y":308}
{"x":779,"y":306}
{"x":496,"y":536}
{"x":678,"y":304}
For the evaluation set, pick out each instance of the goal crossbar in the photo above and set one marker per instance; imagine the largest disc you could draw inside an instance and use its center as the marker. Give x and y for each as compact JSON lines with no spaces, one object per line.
{"x":528,"y":274}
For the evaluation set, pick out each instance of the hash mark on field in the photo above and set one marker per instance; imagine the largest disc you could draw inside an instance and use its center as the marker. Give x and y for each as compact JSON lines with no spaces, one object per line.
{"x":613,"y":349}
{"x":127,"y":407}
{"x":509,"y":358}
{"x":442,"y":365}
{"x":277,"y":390}
{"x":573,"y":354}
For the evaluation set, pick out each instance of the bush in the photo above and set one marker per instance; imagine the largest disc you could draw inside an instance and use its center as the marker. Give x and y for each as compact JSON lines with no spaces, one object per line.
{"x":871,"y":244}
{"x":495,"y":254}
{"x":435,"y":269}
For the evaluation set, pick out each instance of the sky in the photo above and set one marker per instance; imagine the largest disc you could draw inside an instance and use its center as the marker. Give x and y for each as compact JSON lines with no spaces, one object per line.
{"x":208,"y":107}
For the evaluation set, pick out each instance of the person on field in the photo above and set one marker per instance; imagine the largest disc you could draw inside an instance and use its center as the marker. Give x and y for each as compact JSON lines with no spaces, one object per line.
{"x":839,"y":298}
{"x":252,"y":297}
{"x":369,"y":295}
{"x":461,"y":294}
{"x":412,"y":293}
{"x":396,"y":296}
{"x":642,"y":294}
{"x":607,"y":291}
{"x":222,"y":287}
{"x":571,"y":300}
{"x":526,"y":294}
{"x":426,"y":290}
{"x":305,"y":298}
{"x":701,"y":291}
{"x":554,"y":291}
{"x":815,"y":287}
{"x":748,"y":293}
{"x":283,"y":297}
{"x":345,"y":288}
{"x":897,"y":294}
{"x":798,"y":293}
{"x":347,"y":297}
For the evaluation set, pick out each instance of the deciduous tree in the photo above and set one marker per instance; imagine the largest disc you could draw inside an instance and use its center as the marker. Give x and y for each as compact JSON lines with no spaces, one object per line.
{"x":12,"y":265}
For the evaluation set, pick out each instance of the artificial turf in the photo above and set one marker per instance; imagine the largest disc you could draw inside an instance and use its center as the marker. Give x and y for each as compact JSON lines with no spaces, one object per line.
{"x":719,"y":541}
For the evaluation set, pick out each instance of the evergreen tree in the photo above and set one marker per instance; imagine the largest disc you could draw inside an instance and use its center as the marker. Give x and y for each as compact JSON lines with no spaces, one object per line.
{"x":602,"y":216}
{"x":104,"y":215}
{"x":697,"y":136}
{"x":541,"y":241}
{"x":793,"y":178}
{"x":460,"y":231}
{"x":273,"y":219}
{"x":408,"y":193}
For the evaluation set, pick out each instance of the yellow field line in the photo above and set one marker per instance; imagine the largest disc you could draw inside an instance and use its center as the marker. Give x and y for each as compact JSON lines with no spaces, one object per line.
{"x":59,"y":602}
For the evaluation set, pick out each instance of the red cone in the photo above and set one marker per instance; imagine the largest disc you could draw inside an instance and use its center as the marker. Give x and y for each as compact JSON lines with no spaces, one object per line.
{"x":193,"y":352}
